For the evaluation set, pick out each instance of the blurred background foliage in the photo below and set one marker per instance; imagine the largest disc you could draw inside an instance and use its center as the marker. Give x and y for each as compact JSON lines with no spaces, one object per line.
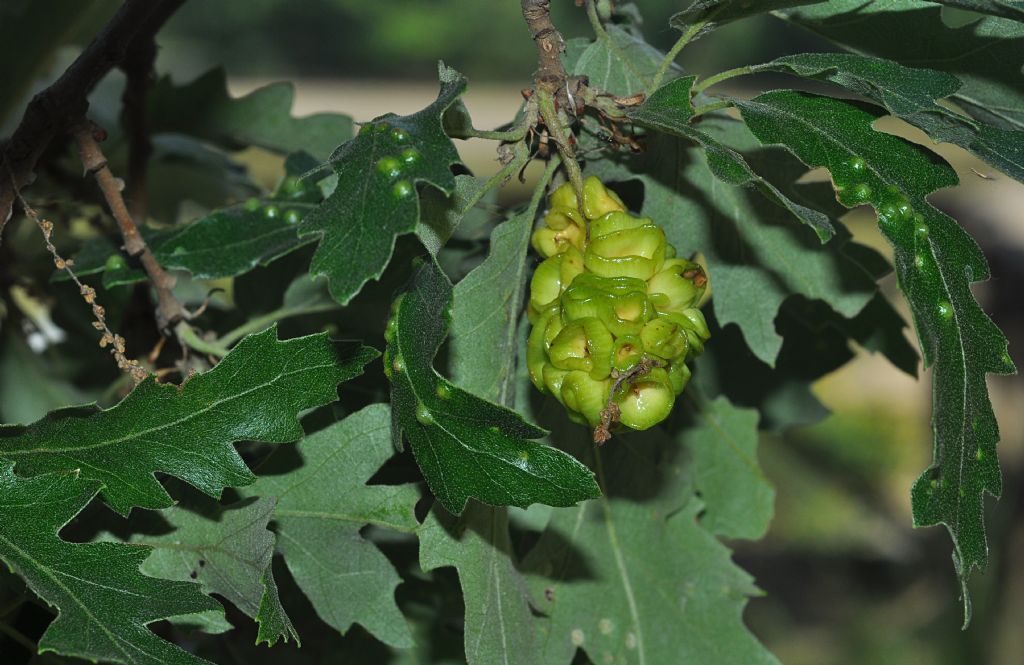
{"x":847,"y":580}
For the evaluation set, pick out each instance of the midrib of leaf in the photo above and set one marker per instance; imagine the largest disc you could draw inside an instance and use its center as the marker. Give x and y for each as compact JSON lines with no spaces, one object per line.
{"x":158,"y":428}
{"x":492,"y":566}
{"x":620,"y":564}
{"x":45,"y":571}
{"x":962,"y":363}
{"x":340,"y":517}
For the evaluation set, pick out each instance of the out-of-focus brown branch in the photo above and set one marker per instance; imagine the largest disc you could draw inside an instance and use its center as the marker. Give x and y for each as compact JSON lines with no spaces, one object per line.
{"x":168,"y":311}
{"x":54,"y":110}
{"x":138,"y":69}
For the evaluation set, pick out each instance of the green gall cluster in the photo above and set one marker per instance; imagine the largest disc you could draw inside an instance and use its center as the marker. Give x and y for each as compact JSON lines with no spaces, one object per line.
{"x":614,"y":312}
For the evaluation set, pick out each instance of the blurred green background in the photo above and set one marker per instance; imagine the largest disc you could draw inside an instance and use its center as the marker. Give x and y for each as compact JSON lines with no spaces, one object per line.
{"x":847,"y":580}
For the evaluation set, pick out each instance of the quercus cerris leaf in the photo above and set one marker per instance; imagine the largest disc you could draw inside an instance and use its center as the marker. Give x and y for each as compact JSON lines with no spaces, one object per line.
{"x":986,"y":55}
{"x":321,"y":508}
{"x":912,"y":94}
{"x":936,"y":261}
{"x":229,"y":552}
{"x":256,"y":392}
{"x":375,"y":199}
{"x":466,"y":446}
{"x":103,"y":601}
{"x":203,"y":108}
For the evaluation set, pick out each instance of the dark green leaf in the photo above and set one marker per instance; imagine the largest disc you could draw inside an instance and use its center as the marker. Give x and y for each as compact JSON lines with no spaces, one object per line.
{"x":203,"y":108}
{"x":669,"y":110}
{"x":911,"y":94}
{"x":375,"y":200}
{"x":738,"y":498}
{"x":936,"y":262}
{"x":321,"y":508}
{"x":234,"y":240}
{"x":229,"y":553}
{"x":902,"y":90}
{"x":713,"y":13}
{"x":255,"y":393}
{"x":466,"y":446}
{"x":104,"y":603}
{"x":226,"y":243}
{"x":986,"y":55}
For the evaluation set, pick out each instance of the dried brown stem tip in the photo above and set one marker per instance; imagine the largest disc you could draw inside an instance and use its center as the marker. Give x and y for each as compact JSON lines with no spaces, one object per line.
{"x":611,"y":413}
{"x":168,"y":311}
{"x":109,"y":338}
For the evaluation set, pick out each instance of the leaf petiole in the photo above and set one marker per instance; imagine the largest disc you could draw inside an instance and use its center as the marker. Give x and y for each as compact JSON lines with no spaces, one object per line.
{"x":705,"y":83}
{"x":688,"y":36}
{"x":713,"y":106}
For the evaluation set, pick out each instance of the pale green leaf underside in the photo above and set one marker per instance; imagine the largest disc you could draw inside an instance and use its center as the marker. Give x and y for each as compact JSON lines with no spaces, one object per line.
{"x":321,"y":508}
{"x":738,"y":499}
{"x":634,"y":578}
{"x":229,"y":553}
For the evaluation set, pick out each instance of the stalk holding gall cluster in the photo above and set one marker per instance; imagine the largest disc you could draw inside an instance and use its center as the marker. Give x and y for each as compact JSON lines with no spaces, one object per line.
{"x":614,"y":312}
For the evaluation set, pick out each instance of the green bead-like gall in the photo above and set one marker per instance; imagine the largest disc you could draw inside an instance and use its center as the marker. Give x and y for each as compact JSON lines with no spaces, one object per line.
{"x":614,"y":312}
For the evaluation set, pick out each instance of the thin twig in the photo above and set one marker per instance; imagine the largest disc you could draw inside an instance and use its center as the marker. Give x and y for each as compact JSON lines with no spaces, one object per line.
{"x":550,"y":45}
{"x":109,"y":338}
{"x":168,"y":311}
{"x":55,"y":109}
{"x":138,"y":69}
{"x":712,"y":106}
{"x":595,"y":20}
{"x":706,"y":83}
